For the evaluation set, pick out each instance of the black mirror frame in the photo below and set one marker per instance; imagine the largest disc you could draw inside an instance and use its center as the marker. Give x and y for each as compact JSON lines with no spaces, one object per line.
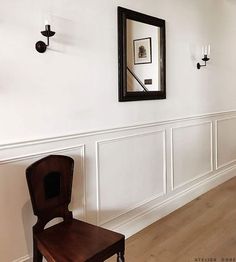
{"x":124,"y":95}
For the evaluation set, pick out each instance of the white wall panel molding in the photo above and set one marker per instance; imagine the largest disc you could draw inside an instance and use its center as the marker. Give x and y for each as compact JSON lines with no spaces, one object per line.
{"x":150,"y":215}
{"x":137,"y":193}
{"x":216,"y":144}
{"x":24,"y":259}
{"x":225,"y":141}
{"x":139,"y":204}
{"x":195,"y":174}
{"x":179,"y":120}
{"x":4,"y":161}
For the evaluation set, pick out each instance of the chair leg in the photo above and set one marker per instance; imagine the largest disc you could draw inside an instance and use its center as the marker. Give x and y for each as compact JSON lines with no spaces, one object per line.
{"x":120,"y":257}
{"x":37,"y":256}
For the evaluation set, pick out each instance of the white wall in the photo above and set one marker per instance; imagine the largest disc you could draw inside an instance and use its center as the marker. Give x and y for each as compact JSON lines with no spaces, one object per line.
{"x":146,"y":170}
{"x":69,"y":89}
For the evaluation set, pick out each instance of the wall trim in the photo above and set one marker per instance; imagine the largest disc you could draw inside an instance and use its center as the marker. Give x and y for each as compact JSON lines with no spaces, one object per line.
{"x":164,"y":185}
{"x":158,"y":206}
{"x":29,"y":156}
{"x":216,"y":144}
{"x":23,"y":259}
{"x":113,"y":130}
{"x":173,"y":187}
{"x":84,"y":182}
{"x":162,"y":209}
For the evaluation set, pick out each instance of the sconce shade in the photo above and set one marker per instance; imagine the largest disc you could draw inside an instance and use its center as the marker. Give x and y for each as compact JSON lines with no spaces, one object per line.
{"x":47,"y":33}
{"x":206,"y":53}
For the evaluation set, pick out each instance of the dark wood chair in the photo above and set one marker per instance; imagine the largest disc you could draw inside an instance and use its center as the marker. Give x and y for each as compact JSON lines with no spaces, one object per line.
{"x":50,"y":183}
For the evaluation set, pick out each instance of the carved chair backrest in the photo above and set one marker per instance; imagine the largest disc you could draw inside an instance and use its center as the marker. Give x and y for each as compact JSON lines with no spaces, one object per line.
{"x":50,"y":184}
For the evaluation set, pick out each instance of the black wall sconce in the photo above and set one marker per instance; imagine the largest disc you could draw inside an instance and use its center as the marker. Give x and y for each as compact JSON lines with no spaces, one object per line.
{"x":40,"y":46}
{"x":206,"y":53}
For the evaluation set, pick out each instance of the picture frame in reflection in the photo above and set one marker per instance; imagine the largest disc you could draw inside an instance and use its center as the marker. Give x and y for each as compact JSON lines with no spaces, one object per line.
{"x":142,"y":51}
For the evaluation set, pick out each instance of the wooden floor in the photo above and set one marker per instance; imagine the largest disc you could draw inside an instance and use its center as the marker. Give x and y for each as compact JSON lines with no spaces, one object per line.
{"x":203,"y":230}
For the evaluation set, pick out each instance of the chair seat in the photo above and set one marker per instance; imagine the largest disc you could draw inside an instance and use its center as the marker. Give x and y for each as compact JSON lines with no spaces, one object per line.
{"x":77,"y":241}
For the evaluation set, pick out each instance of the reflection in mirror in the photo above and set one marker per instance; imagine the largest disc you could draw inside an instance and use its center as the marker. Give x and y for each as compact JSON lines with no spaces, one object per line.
{"x":143,"y":67}
{"x":141,"y":43}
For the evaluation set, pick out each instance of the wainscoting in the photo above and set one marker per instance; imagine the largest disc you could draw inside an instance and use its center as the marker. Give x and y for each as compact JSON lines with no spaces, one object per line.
{"x":125,"y":179}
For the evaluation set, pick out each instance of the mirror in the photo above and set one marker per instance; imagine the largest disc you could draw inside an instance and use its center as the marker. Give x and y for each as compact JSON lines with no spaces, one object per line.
{"x":141,"y":50}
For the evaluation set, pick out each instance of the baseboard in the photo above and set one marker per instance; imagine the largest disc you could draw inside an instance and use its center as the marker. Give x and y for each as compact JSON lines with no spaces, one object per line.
{"x":171,"y":204}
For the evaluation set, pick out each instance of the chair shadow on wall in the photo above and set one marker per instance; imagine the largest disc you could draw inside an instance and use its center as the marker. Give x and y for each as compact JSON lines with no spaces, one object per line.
{"x":29,"y":219}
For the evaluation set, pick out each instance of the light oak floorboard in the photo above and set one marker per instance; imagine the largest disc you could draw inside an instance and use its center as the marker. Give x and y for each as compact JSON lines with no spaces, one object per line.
{"x":203,"y":229}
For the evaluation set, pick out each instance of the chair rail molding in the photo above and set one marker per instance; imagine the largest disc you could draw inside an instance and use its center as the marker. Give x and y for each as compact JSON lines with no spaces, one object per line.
{"x":20,"y":144}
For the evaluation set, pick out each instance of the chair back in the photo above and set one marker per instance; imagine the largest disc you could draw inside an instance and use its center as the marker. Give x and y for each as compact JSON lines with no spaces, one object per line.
{"x":50,"y":184}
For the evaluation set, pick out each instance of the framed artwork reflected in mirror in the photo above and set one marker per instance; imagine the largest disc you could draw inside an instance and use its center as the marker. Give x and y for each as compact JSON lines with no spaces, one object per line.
{"x":141,"y":51}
